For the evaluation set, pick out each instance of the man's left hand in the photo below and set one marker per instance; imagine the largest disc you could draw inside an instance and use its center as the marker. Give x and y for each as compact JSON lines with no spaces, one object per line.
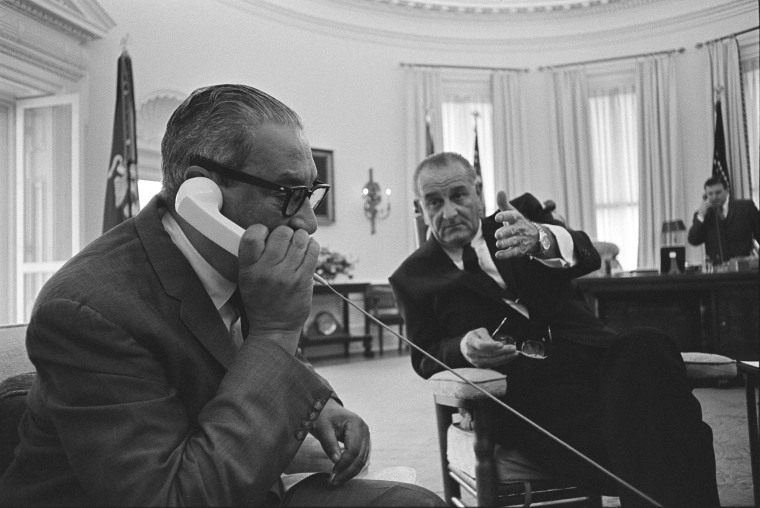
{"x":518,"y":236}
{"x":337,"y":424}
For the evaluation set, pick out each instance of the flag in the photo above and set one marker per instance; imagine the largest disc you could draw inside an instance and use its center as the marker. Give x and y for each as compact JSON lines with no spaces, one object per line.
{"x":476,"y":165}
{"x":719,"y":164}
{"x":429,"y":146}
{"x":122,"y":200}
{"x":476,"y":156}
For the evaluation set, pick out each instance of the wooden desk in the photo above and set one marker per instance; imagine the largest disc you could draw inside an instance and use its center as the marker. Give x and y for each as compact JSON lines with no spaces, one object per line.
{"x":344,"y":334}
{"x":714,"y":313}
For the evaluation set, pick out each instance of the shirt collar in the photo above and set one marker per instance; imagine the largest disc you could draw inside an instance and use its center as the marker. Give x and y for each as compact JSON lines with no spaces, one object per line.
{"x":217,"y":286}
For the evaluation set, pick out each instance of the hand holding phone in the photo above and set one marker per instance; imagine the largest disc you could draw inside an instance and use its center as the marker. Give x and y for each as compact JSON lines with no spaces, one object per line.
{"x":275,"y":270}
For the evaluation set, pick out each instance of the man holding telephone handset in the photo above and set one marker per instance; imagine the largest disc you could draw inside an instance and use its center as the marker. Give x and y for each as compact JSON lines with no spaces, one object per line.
{"x":726,"y":226}
{"x":168,"y":369}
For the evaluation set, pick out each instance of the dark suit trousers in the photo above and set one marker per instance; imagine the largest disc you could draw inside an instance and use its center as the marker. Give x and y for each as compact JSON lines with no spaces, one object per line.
{"x":629,"y":408}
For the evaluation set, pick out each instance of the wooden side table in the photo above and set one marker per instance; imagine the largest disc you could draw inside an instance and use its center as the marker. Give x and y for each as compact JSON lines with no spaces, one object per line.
{"x":751,"y":374}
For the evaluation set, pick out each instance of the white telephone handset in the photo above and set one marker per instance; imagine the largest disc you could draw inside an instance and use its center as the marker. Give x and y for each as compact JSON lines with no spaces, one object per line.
{"x":198,"y":202}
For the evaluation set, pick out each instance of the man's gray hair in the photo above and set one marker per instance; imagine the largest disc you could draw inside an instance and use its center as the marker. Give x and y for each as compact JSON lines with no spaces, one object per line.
{"x":216,"y":122}
{"x":442,"y":160}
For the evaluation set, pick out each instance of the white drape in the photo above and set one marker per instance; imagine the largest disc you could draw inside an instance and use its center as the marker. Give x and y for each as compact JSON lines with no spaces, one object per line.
{"x":751,"y":77}
{"x":661,"y":189}
{"x":510,"y":152}
{"x":459,"y":136}
{"x":572,"y":188}
{"x":614,"y":136}
{"x":423,"y":89}
{"x":726,"y":78}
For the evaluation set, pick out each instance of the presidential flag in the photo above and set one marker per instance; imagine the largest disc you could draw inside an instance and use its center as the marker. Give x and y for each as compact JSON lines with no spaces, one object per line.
{"x":122,"y":200}
{"x":719,"y":164}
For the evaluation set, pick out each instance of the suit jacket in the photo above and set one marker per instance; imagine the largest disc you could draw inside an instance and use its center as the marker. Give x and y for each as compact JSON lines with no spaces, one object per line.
{"x":141,"y":398}
{"x":441,"y":303}
{"x":734,"y":234}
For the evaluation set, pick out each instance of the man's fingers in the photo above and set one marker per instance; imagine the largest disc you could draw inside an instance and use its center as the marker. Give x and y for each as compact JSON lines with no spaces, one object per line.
{"x":252,"y":244}
{"x":502,"y":202}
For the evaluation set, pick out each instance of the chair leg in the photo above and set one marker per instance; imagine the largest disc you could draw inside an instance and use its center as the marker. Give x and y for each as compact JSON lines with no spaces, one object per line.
{"x":443,"y":418}
{"x":380,"y":339}
{"x":485,"y":466}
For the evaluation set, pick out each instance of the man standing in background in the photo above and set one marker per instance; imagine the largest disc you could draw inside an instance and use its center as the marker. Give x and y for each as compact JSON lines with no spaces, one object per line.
{"x":726,"y":226}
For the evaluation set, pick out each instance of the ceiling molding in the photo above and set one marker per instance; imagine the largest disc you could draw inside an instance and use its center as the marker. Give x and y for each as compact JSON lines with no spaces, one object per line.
{"x":84,"y":20}
{"x":41,"y":43}
{"x":399,"y":24}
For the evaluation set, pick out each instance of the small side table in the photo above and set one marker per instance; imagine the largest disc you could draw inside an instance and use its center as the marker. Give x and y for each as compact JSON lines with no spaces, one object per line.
{"x":751,"y":373}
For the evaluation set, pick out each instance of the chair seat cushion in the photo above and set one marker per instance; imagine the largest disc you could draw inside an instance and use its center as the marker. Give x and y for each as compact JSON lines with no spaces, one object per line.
{"x":709,"y":366}
{"x":511,"y":464}
{"x":447,"y":384}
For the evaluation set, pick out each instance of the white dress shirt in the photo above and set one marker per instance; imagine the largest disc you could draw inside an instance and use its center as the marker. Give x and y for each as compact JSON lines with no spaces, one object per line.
{"x":217,"y":286}
{"x":564,"y":243}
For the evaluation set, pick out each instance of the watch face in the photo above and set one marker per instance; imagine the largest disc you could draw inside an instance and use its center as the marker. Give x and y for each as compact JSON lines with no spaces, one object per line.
{"x":545,"y":240}
{"x":326,"y":323}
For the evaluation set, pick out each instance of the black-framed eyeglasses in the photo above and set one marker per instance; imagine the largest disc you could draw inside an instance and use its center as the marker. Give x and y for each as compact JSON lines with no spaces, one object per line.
{"x":294,"y":196}
{"x":535,"y":348}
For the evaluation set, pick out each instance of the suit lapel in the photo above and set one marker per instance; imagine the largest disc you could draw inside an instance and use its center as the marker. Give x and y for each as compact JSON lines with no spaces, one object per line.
{"x":180,"y":283}
{"x":505,"y":268}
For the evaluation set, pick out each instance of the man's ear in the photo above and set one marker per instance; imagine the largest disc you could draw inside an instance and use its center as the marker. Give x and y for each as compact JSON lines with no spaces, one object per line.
{"x":479,"y":186}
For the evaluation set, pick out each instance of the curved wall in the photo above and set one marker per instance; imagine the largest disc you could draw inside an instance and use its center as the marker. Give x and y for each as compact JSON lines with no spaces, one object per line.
{"x":349,"y":87}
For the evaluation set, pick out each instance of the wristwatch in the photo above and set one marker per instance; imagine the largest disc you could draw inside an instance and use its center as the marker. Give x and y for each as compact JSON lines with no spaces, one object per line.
{"x":544,"y":240}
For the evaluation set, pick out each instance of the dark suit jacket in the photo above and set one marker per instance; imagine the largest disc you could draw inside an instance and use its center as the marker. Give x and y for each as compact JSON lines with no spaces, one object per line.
{"x":441,"y":303}
{"x":141,"y":397}
{"x":736,"y":232}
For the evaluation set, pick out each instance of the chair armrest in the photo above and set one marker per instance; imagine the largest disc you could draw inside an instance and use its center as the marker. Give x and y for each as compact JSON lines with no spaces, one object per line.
{"x":445,"y":384}
{"x":709,"y":366}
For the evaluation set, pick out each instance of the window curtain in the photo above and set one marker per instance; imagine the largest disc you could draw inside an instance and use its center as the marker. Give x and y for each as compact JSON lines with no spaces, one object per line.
{"x":459,"y":136}
{"x":423,"y":101}
{"x":510,"y":152}
{"x":751,"y":83}
{"x":661,"y":189}
{"x":727,"y":86}
{"x":616,"y":170}
{"x":573,"y":187}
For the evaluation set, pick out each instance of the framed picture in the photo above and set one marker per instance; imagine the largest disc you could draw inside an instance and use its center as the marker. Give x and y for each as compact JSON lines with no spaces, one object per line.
{"x":323,"y":159}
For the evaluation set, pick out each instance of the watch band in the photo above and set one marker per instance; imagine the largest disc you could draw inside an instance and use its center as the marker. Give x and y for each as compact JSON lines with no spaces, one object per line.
{"x":544,"y":240}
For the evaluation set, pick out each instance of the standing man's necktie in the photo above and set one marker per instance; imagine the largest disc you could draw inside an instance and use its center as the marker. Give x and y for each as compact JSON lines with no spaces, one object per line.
{"x":237,"y":301}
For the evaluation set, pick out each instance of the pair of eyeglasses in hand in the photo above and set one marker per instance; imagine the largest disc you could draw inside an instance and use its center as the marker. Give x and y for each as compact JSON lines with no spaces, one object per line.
{"x":532,"y":348}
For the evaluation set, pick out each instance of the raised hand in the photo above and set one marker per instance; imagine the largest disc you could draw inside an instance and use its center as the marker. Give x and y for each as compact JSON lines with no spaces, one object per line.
{"x":518,"y":236}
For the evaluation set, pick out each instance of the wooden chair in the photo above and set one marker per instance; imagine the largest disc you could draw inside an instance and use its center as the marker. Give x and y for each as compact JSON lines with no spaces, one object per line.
{"x":495,"y":476}
{"x":471,"y":460}
{"x":381,"y":304}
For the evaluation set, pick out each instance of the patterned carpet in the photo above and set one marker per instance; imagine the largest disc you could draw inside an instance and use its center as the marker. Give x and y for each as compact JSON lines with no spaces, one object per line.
{"x":398,"y":408}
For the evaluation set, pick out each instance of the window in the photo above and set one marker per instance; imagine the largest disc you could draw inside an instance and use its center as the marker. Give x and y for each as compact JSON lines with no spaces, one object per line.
{"x":47,"y":193}
{"x":614,"y":140}
{"x":751,"y":83}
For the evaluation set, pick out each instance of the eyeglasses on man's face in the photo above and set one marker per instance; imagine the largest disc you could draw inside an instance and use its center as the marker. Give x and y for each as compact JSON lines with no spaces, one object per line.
{"x":294,"y":196}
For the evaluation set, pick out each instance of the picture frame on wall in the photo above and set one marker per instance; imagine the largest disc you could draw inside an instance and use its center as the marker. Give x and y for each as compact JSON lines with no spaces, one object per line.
{"x":323,"y":159}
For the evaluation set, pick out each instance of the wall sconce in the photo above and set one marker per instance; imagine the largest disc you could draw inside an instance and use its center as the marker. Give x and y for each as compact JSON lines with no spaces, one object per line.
{"x":377,"y":204}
